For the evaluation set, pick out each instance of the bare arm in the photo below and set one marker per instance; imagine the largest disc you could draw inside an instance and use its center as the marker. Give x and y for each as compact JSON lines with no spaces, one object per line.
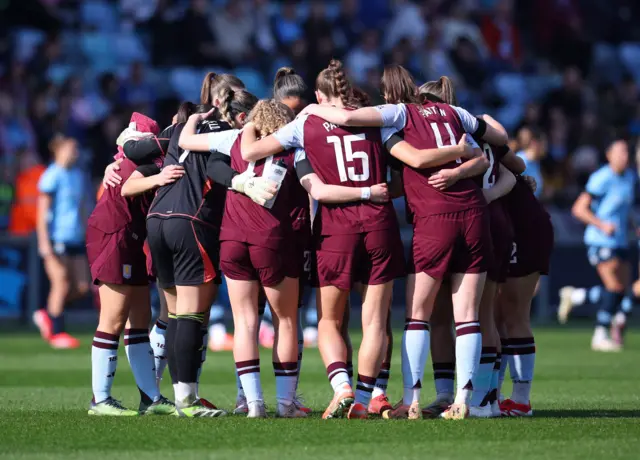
{"x":138,"y":183}
{"x":42,"y":226}
{"x":253,"y":149}
{"x":504,"y":185}
{"x":429,"y":158}
{"x":495,"y":133}
{"x":189,"y":140}
{"x":581,"y":210}
{"x":367,"y":116}
{"x":445,"y":178}
{"x":326,"y":193}
{"x":513,"y":162}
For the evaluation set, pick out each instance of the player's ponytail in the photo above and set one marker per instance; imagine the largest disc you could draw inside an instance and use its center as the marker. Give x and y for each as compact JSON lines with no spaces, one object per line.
{"x":270,"y":115}
{"x":398,"y":86}
{"x":288,"y":84}
{"x":333,"y":83}
{"x":233,"y":103}
{"x":342,"y":86}
{"x":441,"y":90}
{"x":214,"y":83}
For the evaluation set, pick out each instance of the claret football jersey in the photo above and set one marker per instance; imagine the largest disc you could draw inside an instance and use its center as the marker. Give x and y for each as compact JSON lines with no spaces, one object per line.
{"x":346,"y":156}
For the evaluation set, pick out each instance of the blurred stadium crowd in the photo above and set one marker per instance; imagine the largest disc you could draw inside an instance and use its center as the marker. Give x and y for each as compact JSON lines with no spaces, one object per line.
{"x":570,"y":68}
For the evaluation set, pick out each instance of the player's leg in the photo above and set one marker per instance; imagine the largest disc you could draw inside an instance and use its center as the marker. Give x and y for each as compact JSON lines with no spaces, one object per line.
{"x":615,"y":276}
{"x":443,"y":355}
{"x":191,"y":309}
{"x":480,"y":406}
{"x":51,"y":321}
{"x":335,"y":251}
{"x":283,"y":298}
{"x":466,"y":292}
{"x":157,"y":336}
{"x":331,"y":302}
{"x":422,"y":290}
{"x":104,"y":351}
{"x":140,"y":354}
{"x":375,"y":314}
{"x":379,"y":400}
{"x":519,"y":349}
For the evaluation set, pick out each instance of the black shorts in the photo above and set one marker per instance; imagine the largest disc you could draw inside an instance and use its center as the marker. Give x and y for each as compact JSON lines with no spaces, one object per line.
{"x":184,"y":252}
{"x":68,"y":249}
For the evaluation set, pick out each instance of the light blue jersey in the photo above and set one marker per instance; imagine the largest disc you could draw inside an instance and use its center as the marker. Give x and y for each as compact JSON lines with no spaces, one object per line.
{"x":68,"y":190}
{"x":612,"y":198}
{"x":532,"y":168}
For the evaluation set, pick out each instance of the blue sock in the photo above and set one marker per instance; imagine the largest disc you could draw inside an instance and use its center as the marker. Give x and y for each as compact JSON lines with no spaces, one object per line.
{"x":57,"y":323}
{"x":608,"y":307}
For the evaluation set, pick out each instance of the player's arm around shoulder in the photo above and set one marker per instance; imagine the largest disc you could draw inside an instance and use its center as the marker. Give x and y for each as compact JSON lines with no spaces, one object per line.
{"x":149,"y":177}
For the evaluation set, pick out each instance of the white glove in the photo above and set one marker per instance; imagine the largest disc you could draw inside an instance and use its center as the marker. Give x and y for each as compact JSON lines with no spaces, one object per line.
{"x":259,"y":189}
{"x":237,"y":183}
{"x":130,"y":134}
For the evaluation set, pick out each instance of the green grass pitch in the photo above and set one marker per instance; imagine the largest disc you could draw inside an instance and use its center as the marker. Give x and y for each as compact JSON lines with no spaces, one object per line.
{"x":587,"y":406}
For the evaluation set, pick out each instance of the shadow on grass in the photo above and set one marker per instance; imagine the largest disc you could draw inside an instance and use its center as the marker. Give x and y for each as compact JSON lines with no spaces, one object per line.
{"x":583,"y":413}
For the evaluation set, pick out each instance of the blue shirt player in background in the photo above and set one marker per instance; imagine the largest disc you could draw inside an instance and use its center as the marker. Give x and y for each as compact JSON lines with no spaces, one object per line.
{"x":605,"y":207}
{"x":534,"y":152}
{"x":62,"y":214}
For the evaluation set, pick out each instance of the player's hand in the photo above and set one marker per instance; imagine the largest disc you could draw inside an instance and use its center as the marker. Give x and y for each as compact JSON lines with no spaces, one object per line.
{"x":444,"y":179}
{"x":170,"y":174}
{"x":111,"y":177}
{"x":198,"y":117}
{"x":237,"y":183}
{"x":608,"y":228}
{"x":468,"y":149}
{"x":531,"y":182}
{"x":309,"y":110}
{"x":260,"y":190}
{"x":379,"y":193}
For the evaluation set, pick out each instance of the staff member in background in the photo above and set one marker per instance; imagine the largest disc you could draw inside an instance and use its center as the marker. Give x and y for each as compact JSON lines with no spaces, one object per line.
{"x":22,"y":220}
{"x":61,"y":219}
{"x":532,"y":154}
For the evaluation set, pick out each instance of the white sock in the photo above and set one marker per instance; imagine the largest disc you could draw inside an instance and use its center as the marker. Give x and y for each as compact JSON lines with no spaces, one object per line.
{"x":382,"y":381}
{"x":185,"y":393}
{"x":468,"y":348}
{"x":104,"y":360}
{"x":239,"y":386}
{"x":504,"y":365}
{"x":338,"y":376}
{"x":286,"y":381}
{"x":444,"y":375}
{"x":482,"y":379}
{"x":249,"y":372}
{"x":415,"y":349}
{"x":364,"y":389}
{"x":141,"y":359}
{"x":521,"y":365}
{"x":157,"y":339}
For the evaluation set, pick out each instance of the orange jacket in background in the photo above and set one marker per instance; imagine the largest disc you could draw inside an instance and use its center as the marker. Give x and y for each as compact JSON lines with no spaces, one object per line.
{"x":22,"y":220}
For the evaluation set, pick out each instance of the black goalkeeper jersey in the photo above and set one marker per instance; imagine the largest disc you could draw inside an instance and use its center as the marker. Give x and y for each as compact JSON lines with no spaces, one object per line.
{"x":194,"y":196}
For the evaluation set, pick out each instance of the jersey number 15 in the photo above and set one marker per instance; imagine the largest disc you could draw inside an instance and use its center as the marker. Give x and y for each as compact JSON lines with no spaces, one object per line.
{"x":347,"y":155}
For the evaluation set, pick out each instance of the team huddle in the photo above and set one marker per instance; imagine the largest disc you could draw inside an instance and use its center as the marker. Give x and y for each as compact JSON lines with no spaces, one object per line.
{"x":276,"y":195}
